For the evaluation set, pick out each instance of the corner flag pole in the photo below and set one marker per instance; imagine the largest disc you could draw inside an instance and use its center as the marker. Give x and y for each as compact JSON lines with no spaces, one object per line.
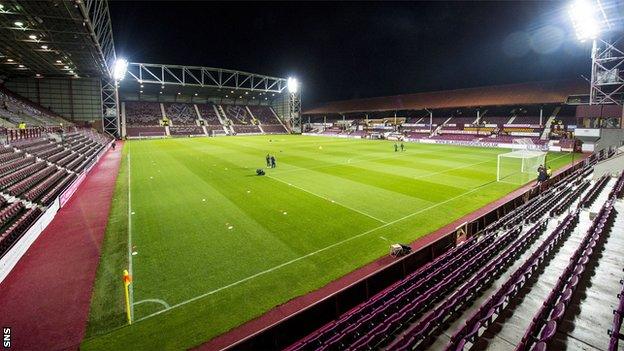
{"x":127,"y":280}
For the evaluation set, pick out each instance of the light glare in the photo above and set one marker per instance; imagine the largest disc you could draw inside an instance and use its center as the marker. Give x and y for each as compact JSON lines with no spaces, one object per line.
{"x":120,"y":68}
{"x":293,"y":85}
{"x":584,"y":20}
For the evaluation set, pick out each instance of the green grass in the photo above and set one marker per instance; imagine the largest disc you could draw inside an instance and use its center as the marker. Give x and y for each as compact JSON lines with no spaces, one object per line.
{"x":223,"y":246}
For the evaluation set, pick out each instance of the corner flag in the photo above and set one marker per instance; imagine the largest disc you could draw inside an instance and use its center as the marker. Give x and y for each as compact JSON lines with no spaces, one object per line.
{"x":127,"y":280}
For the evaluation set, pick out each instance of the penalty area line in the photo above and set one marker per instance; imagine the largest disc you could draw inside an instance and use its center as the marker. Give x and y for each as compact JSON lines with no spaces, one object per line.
{"x":198,"y":297}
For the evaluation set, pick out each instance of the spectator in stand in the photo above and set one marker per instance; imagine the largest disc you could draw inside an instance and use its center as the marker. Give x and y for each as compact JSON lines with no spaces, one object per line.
{"x":541,"y":175}
{"x":22,"y":129}
{"x":548,"y":172}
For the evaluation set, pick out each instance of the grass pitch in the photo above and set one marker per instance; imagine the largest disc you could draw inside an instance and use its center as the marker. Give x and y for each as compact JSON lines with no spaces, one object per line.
{"x":211,"y":245}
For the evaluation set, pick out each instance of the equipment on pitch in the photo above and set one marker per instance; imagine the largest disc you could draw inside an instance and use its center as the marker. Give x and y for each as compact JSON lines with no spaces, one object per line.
{"x":397,"y":250}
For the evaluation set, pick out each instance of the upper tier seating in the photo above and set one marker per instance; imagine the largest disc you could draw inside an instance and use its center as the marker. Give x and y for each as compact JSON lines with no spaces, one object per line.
{"x":237,"y":114}
{"x":141,"y":113}
{"x":264,"y":114}
{"x":16,"y":109}
{"x":181,"y":114}
{"x":208,"y":114}
{"x":528,"y":120}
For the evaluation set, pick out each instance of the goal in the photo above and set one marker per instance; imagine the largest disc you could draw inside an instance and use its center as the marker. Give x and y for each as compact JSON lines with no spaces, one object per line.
{"x":520,"y":166}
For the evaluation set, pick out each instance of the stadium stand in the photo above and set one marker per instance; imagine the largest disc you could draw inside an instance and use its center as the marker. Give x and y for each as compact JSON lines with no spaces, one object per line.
{"x":33,"y":172}
{"x":463,"y":292}
{"x":15,"y":109}
{"x":270,"y":124}
{"x":183,"y":119}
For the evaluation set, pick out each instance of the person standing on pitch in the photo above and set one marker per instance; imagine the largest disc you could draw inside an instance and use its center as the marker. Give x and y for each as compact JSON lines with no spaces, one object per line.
{"x":268,"y":160}
{"x":402,"y":147}
{"x":272,"y":161}
{"x":396,"y":147}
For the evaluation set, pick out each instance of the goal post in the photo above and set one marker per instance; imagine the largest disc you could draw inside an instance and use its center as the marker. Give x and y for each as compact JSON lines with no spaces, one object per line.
{"x":520,"y":166}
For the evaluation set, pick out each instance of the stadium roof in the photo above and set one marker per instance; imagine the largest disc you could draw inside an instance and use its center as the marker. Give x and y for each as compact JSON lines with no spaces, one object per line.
{"x":55,"y":38}
{"x":500,"y":95}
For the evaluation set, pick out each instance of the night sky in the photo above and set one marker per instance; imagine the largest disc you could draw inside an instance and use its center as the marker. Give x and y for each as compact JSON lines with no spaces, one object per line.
{"x":354,"y":50}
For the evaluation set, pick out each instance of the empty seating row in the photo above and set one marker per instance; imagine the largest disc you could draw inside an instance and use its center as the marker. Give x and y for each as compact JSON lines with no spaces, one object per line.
{"x":15,"y":165}
{"x":416,"y":299}
{"x":593,"y":193}
{"x":37,"y":191}
{"x":25,"y":184}
{"x":545,"y":322}
{"x":9,"y":212}
{"x":11,"y":178}
{"x":246,"y":129}
{"x":568,"y":199}
{"x":618,"y":315}
{"x":618,"y":189}
{"x":483,"y":278}
{"x":441,"y":265}
{"x":17,"y":228}
{"x":485,"y":315}
{"x":273,"y":128}
{"x":53,"y":192}
{"x":10,"y":156}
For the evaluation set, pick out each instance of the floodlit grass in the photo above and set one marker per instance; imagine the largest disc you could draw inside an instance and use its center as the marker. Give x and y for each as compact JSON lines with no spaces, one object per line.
{"x":220,"y":245}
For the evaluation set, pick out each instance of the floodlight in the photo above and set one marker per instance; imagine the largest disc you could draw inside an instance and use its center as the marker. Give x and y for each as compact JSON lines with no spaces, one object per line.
{"x":33,"y":37}
{"x":44,"y":47}
{"x":293,"y":85}
{"x":584,"y":20}
{"x":120,"y":68}
{"x":19,"y":24}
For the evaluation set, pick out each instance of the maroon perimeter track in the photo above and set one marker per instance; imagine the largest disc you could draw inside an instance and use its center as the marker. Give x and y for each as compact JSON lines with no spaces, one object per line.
{"x":45,"y":299}
{"x":233,"y":338}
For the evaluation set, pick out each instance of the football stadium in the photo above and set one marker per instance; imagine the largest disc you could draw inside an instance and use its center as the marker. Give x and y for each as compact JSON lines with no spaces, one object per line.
{"x":173,"y":206}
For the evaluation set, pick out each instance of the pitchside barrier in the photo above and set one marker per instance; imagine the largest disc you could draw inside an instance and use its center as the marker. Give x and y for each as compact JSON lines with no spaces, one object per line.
{"x":22,"y":244}
{"x":296,"y":326}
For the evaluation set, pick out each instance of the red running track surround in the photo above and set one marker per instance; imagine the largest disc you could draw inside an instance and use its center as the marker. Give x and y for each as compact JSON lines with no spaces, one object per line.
{"x":45,"y":299}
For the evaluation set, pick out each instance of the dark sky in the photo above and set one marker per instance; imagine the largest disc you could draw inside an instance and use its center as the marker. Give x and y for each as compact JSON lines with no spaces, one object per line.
{"x":350,"y":50}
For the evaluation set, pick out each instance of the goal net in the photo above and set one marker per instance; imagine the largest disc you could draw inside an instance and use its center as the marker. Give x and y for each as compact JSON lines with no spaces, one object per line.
{"x":520,"y":166}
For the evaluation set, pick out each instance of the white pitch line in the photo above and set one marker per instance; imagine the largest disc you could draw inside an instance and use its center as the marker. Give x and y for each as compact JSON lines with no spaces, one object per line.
{"x":131,"y":287}
{"x":330,"y":200}
{"x":311,"y":253}
{"x":162,"y":302}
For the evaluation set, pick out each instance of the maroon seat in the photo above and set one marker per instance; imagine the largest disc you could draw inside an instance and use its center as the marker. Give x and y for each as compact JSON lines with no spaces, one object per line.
{"x":558,"y":312}
{"x":549,"y":331}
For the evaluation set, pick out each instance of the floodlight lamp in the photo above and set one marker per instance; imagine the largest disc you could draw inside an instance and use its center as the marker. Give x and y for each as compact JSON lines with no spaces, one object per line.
{"x":584,"y":21}
{"x":293,"y":85}
{"x":120,"y":68}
